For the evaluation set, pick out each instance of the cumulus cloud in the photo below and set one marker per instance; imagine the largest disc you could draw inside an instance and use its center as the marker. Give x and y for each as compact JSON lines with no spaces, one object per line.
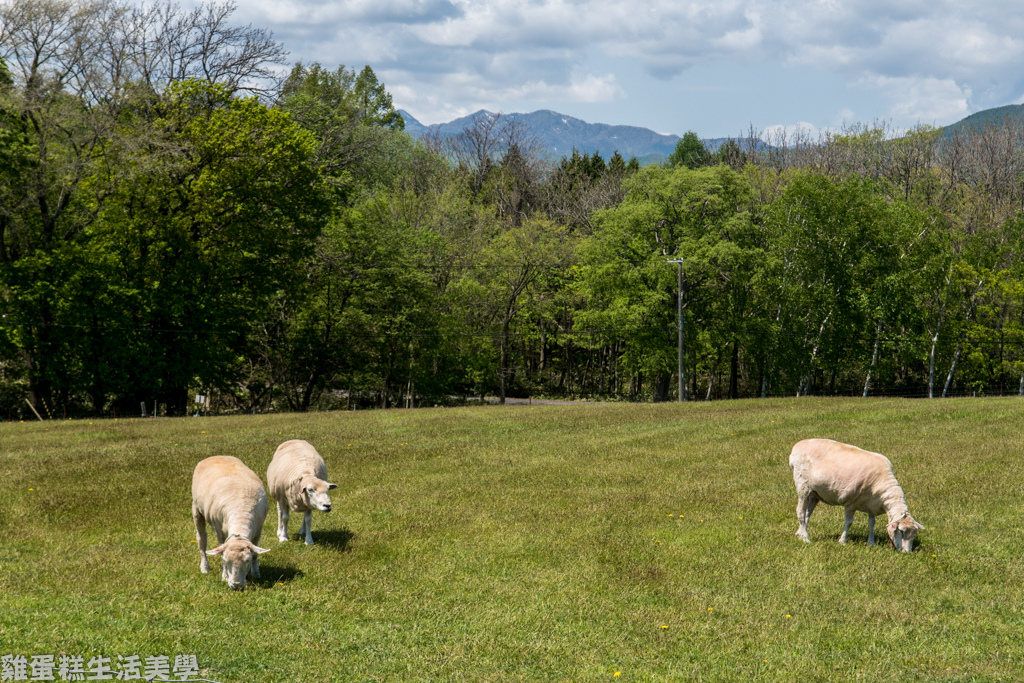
{"x":923,"y":100}
{"x":931,"y":60}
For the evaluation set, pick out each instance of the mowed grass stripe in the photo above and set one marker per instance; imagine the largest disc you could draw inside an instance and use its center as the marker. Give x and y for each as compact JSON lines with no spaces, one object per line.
{"x":529,"y":543}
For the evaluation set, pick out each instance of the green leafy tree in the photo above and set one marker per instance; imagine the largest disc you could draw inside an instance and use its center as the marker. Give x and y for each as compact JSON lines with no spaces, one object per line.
{"x":215,"y":222}
{"x":690,"y":152}
{"x":351,"y":115}
{"x":630,"y":290}
{"x":503,"y":281}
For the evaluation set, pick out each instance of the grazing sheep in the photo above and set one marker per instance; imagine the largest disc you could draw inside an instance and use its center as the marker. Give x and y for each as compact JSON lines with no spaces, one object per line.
{"x":229,"y":496}
{"x":297,"y":478}
{"x":839,"y":474}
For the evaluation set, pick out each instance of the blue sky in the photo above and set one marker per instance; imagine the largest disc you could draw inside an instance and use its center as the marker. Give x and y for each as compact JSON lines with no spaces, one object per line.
{"x":712,"y":66}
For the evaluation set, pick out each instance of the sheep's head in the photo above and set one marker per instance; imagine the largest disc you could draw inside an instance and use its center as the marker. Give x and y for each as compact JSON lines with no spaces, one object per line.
{"x":314,"y":493}
{"x":902,"y":532}
{"x":237,"y":557}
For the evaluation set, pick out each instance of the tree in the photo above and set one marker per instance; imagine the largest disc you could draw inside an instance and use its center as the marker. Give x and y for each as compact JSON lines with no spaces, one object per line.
{"x":363,"y":317}
{"x":353,"y":120}
{"x":480,"y":147}
{"x":214,"y":223}
{"x":501,"y":282}
{"x":629,"y":289}
{"x":85,"y":77}
{"x":689,"y":152}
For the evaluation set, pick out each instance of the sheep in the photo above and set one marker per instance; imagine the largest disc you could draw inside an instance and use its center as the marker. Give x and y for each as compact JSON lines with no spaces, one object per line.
{"x":297,"y":478}
{"x":839,"y":474}
{"x":231,"y":497}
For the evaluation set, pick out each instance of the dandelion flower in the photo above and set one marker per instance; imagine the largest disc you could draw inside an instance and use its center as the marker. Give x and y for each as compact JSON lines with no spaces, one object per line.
{"x":617,"y":673}
{"x":711,"y":609}
{"x":34,"y":490}
{"x":789,"y":616}
{"x":664,"y":626}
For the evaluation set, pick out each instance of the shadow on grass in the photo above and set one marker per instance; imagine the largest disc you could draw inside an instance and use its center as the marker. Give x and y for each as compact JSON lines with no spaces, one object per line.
{"x":271,"y":575}
{"x":338,"y":540}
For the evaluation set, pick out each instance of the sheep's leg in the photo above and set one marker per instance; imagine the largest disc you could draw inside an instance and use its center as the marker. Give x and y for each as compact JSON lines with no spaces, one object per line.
{"x":805,"y":503}
{"x":282,"y":522}
{"x":871,"y":529}
{"x":846,"y":527}
{"x":307,"y":524}
{"x":222,"y":536}
{"x":200,"y":521}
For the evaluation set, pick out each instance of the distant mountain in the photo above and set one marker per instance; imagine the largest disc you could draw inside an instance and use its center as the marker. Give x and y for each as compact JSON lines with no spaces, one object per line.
{"x":559,"y":134}
{"x":980,"y":119}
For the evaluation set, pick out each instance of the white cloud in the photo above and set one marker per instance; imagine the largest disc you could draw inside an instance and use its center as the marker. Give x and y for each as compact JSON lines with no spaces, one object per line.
{"x":924,"y":100}
{"x":930,"y":60}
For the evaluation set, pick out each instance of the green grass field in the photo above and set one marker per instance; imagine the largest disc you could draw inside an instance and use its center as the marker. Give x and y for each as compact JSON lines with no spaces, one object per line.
{"x":584,"y":542}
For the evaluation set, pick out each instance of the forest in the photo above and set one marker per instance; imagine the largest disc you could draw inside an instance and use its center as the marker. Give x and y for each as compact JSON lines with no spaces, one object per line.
{"x":183,"y":212}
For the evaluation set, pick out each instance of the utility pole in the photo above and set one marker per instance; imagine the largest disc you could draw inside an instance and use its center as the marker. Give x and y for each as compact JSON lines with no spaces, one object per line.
{"x":682,"y":367}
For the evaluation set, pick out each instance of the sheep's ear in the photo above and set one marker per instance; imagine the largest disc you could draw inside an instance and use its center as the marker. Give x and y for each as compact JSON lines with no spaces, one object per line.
{"x":331,"y":487}
{"x":259,"y":550}
{"x":216,"y":551}
{"x":892,"y":528}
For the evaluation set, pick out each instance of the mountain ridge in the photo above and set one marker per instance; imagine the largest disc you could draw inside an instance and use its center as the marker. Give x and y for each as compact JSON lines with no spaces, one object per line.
{"x":560,"y":134}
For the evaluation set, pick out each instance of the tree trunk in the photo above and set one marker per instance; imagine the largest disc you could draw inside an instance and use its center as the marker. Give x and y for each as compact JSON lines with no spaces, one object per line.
{"x":503,"y":369}
{"x":543,"y":346}
{"x":874,"y":357}
{"x":806,"y":382}
{"x":662,"y":381}
{"x":952,"y":369}
{"x":935,"y":337}
{"x":734,"y":370}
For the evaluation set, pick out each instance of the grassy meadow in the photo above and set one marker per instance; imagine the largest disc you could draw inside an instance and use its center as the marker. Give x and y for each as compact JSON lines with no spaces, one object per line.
{"x":580,"y":542}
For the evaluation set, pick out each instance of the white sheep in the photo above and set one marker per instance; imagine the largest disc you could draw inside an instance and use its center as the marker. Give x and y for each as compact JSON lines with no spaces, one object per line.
{"x":231,"y":497}
{"x":839,"y":474}
{"x":297,"y":478}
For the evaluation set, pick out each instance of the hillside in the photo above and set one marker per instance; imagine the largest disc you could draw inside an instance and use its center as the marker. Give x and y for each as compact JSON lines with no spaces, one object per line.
{"x":604,"y":542}
{"x":559,"y":134}
{"x":986,"y":117}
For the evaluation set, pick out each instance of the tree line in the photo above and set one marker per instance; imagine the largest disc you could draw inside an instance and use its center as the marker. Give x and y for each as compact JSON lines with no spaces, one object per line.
{"x":175,"y":219}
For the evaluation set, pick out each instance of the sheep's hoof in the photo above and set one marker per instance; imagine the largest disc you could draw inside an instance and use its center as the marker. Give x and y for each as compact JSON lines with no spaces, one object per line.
{"x":205,"y":570}
{"x":282,"y":539}
{"x":309,"y":541}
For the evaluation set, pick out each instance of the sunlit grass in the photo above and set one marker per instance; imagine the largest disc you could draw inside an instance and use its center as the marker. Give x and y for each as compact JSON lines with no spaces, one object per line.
{"x":529,"y":543}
